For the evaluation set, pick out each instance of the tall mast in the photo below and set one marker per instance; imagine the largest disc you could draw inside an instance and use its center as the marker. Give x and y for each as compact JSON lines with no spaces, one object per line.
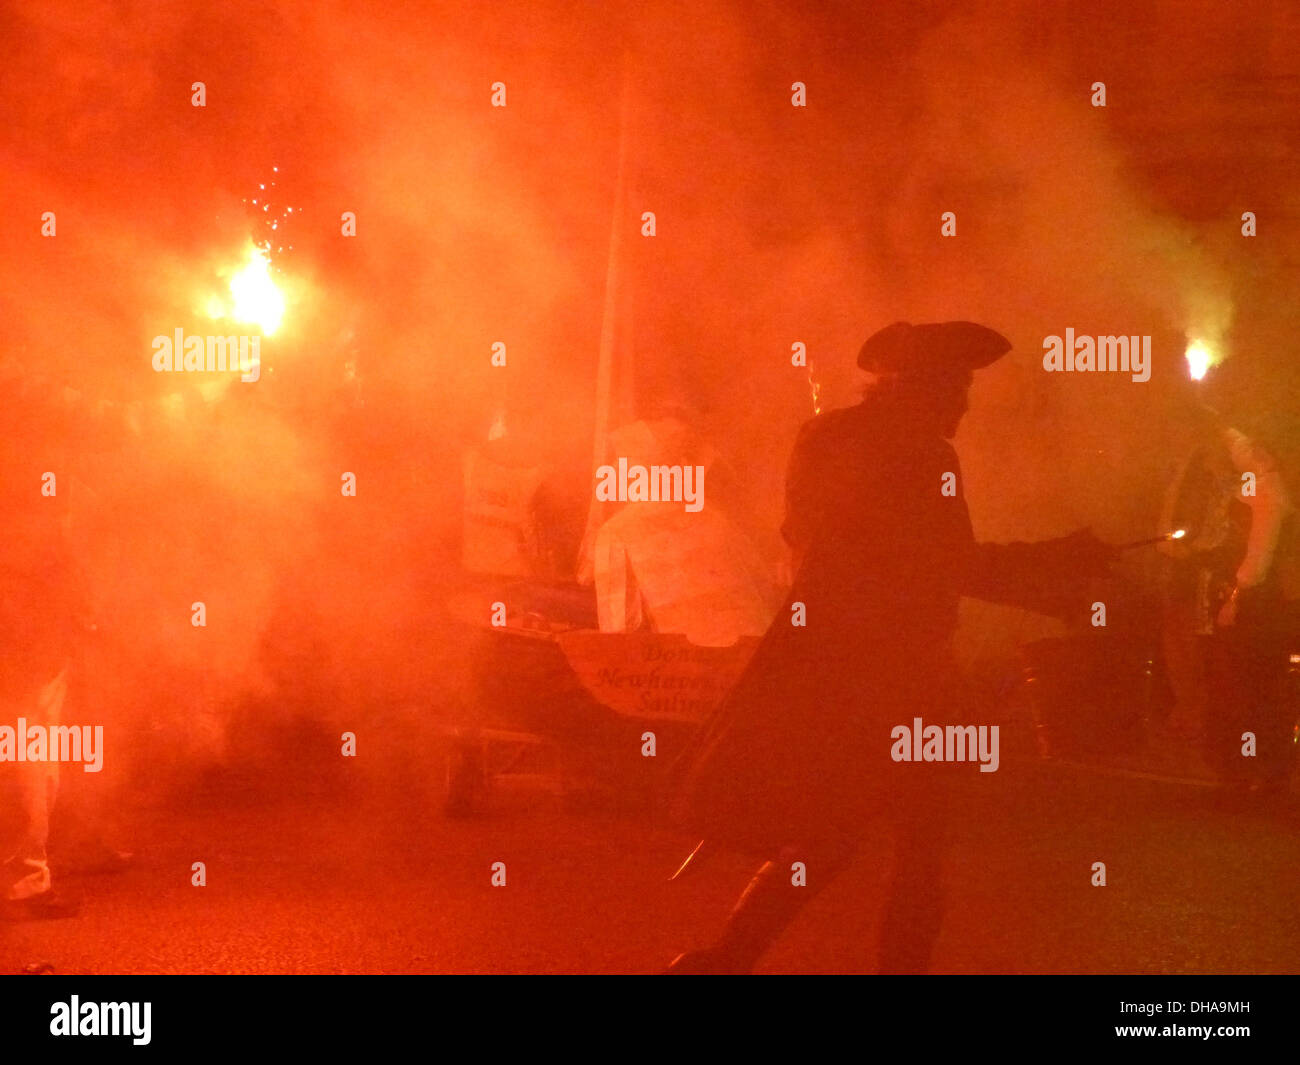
{"x":613,"y":381}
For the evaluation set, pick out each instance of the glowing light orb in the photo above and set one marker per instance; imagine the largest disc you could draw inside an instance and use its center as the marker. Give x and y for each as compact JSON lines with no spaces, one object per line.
{"x":1178,"y":534}
{"x":1199,"y":359}
{"x":258,"y":300}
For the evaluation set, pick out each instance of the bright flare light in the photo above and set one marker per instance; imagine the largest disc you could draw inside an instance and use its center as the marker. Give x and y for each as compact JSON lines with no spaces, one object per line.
{"x":257,"y":299}
{"x":1178,"y":534}
{"x":1199,"y":359}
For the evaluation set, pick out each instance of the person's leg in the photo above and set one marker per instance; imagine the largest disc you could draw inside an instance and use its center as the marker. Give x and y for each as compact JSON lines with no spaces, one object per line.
{"x":1269,"y":712}
{"x":1185,"y":663}
{"x":1226,"y":677}
{"x":27,"y":867}
{"x":913,"y":914}
{"x":766,"y":907}
{"x":914,"y":910}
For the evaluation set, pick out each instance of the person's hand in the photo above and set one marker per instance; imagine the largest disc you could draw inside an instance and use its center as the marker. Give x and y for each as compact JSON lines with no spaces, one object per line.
{"x":1227,"y":615}
{"x":1082,"y":553}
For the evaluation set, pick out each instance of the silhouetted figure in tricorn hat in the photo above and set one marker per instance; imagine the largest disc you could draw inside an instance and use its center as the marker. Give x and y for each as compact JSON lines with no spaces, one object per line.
{"x":797,"y":762}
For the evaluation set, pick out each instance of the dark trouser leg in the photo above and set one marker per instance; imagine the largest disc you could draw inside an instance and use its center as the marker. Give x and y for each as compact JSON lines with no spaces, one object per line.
{"x":1226,"y":707}
{"x":765,"y":909}
{"x":1271,"y":712}
{"x":1248,"y":685}
{"x":914,"y":908}
{"x":771,"y":902}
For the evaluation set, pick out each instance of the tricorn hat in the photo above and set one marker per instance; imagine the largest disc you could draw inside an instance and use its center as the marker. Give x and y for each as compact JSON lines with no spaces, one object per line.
{"x":934,"y":348}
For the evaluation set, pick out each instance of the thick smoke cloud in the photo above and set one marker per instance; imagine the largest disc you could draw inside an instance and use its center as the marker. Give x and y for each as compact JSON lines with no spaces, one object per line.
{"x":476,"y":224}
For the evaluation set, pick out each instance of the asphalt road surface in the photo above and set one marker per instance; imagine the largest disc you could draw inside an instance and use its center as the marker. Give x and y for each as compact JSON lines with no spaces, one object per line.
{"x":381,"y":881}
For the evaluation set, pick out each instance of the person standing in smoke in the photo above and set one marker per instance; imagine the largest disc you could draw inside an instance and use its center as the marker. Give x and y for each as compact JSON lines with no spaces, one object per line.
{"x":46,"y":622}
{"x":42,"y":608}
{"x":796,"y":764}
{"x":1234,"y":589}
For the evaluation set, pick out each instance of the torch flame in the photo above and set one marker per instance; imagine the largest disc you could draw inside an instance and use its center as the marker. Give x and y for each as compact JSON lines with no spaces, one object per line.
{"x":1199,"y":359}
{"x":257,"y":299}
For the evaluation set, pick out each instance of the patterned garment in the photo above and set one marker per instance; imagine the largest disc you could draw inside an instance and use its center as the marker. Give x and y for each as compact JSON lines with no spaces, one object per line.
{"x":32,"y":788}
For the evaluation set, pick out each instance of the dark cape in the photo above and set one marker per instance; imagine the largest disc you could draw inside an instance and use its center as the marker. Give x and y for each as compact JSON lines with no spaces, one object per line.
{"x":799,"y":752}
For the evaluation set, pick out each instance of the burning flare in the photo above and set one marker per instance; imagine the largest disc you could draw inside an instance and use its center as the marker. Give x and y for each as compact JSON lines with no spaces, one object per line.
{"x":1150,"y":541}
{"x":1199,"y":359}
{"x":257,"y":299}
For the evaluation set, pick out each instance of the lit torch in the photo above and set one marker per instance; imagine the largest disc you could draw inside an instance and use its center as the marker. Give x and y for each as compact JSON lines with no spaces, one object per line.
{"x":257,"y":299}
{"x":1177,"y":534}
{"x":1199,"y":359}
